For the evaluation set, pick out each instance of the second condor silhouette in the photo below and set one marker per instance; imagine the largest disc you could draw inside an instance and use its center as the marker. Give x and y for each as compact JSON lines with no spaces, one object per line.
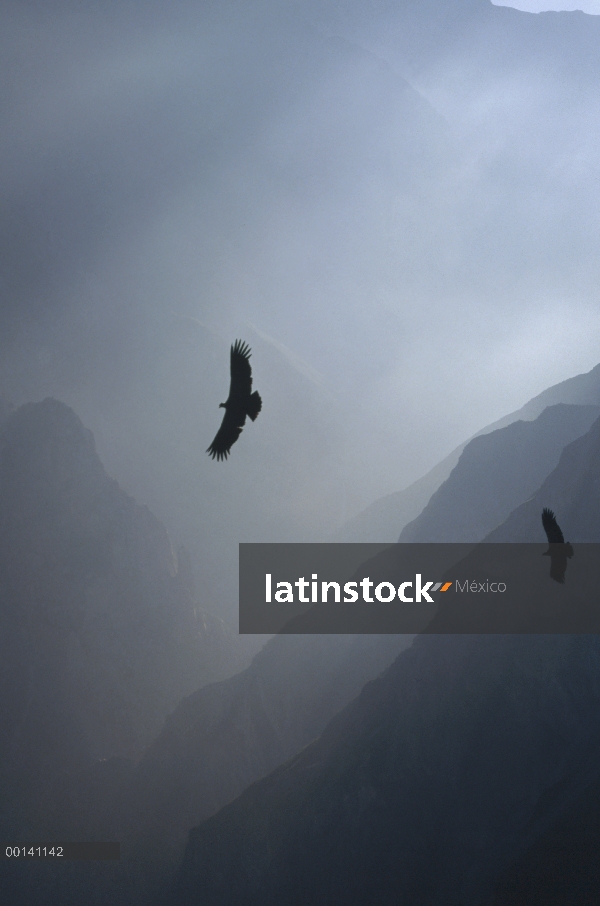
{"x":558,"y":551}
{"x":240,"y":402}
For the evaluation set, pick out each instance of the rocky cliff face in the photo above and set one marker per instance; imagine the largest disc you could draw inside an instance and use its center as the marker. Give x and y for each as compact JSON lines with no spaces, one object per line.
{"x":100,"y":635}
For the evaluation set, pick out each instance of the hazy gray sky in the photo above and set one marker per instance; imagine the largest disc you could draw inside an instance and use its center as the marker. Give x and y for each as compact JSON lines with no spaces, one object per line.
{"x":592,"y":7}
{"x":403,"y":201}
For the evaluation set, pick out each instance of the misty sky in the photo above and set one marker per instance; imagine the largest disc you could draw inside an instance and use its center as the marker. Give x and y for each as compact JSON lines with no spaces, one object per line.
{"x":409,"y":224}
{"x":592,"y":7}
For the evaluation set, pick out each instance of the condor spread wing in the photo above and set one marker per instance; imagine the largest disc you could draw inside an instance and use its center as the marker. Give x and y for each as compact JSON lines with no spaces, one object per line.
{"x":241,"y":372}
{"x":226,"y":436}
{"x":551,"y":527}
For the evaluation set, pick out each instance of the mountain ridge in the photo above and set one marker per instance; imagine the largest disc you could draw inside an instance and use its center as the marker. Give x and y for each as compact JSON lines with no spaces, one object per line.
{"x":496,"y":471}
{"x":393,"y":512}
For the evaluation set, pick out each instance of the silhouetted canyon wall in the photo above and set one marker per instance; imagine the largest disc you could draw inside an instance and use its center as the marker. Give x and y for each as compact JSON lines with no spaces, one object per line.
{"x":100,"y":632}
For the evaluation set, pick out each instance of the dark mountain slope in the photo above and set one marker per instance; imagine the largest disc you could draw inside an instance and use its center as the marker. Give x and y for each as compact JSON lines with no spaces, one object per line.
{"x":441,"y":774}
{"x":495,"y":473}
{"x":101,"y":638}
{"x":225,"y":736}
{"x":384,"y":519}
{"x":434,"y":755}
{"x":562,"y":868}
{"x":216,"y":743}
{"x":100,"y":635}
{"x":572,"y":490}
{"x":422,"y":790}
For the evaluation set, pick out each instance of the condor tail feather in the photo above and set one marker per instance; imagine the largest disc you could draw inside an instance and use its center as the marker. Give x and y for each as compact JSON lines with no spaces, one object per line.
{"x":254,"y":405}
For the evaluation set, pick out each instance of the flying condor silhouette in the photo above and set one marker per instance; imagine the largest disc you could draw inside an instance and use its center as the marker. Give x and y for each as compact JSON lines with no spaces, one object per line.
{"x":558,"y":551}
{"x":240,"y":402}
